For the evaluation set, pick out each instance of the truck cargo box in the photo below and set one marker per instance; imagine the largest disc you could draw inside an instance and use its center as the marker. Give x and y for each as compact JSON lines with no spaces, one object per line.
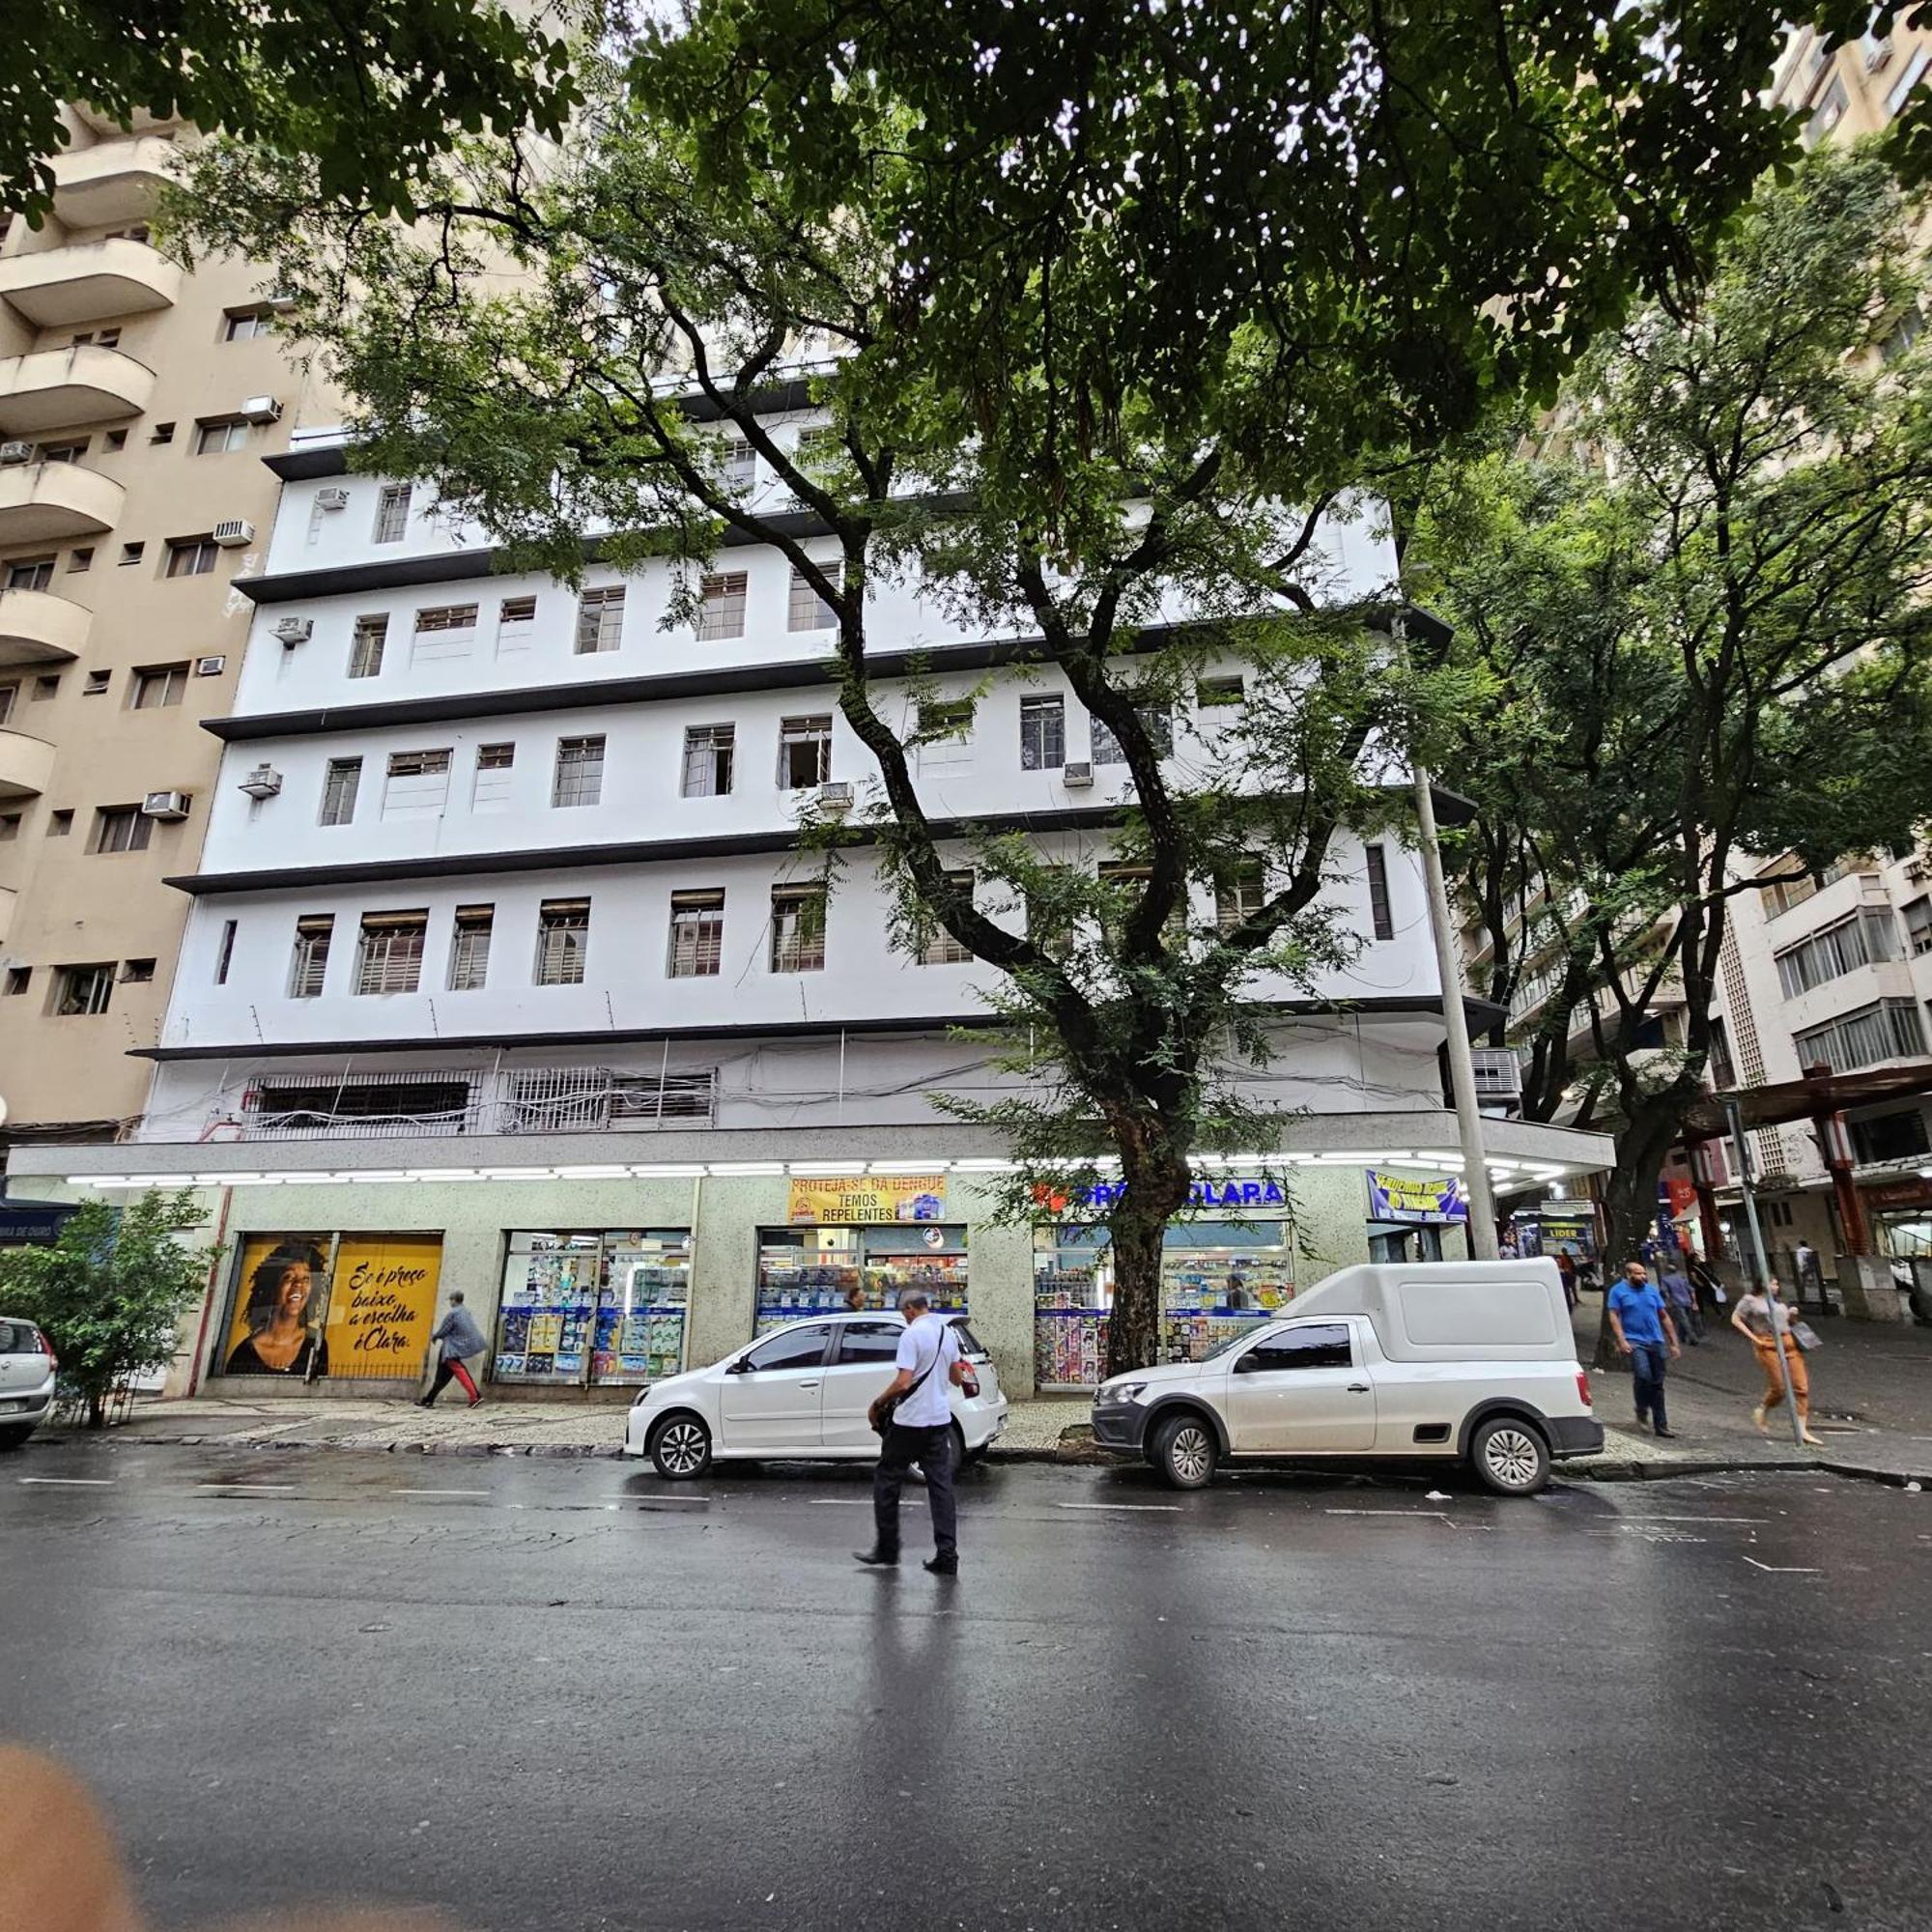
{"x":1453,"y":1311}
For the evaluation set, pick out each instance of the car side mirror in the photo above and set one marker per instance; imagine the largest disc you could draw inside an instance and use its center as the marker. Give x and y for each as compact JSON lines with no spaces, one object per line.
{"x":1249,"y":1364}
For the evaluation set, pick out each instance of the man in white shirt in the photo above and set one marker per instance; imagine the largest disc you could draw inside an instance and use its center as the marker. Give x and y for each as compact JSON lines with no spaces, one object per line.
{"x":920,"y":1431}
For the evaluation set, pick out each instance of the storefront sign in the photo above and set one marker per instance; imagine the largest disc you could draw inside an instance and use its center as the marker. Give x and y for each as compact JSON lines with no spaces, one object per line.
{"x":1916,"y":1193}
{"x":1425,"y":1199}
{"x":351,"y":1306}
{"x":1251,"y":1193}
{"x":866,"y":1198}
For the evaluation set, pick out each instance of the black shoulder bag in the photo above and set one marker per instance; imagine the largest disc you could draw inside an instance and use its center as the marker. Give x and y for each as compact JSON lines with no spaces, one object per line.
{"x":880,"y":1414}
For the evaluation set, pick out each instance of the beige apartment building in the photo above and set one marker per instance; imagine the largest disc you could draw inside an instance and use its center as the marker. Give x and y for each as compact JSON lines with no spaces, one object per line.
{"x":136,"y":402}
{"x":1857,"y":90}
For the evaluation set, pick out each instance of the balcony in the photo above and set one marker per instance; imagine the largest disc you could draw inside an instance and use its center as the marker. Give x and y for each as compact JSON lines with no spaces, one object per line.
{"x":89,"y":280}
{"x":37,"y":627}
{"x":114,"y":182}
{"x":26,"y":764}
{"x":62,"y":388}
{"x":48,"y":503}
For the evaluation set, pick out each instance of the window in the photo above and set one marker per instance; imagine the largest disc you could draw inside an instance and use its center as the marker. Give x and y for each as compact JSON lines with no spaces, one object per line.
{"x":1788,"y":892}
{"x":18,"y":980}
{"x":1859,"y":940}
{"x":9,"y":694}
{"x":1043,"y":734}
{"x":469,"y":947}
{"x":224,"y":952}
{"x":1724,"y":1069}
{"x":1901,"y":88}
{"x":1380,"y":920}
{"x":1314,"y":1344}
{"x":121,"y":827}
{"x":60,"y":452}
{"x":494,"y":764}
{"x":869,"y":1341}
{"x":804,"y":753}
{"x":697,"y":935}
{"x":339,"y":785}
{"x":97,"y":683}
{"x":365,"y":646}
{"x":161,"y":433}
{"x":739,"y":468}
{"x":389,"y":957}
{"x":311,"y":955}
{"x":708,"y":751}
{"x":1241,"y":896}
{"x":80,"y":559}
{"x":798,"y":928}
{"x":417,"y":785}
{"x":244,"y":325}
{"x":1918,"y":926}
{"x":938,"y":946}
{"x":392,"y":513}
{"x":443,"y":632}
{"x":59,"y":824}
{"x":563,"y":941}
{"x":105,"y":338}
{"x":301,"y":1104}
{"x":156,"y":685}
{"x":1894,"y":1136}
{"x":30,"y":573}
{"x":1213,"y":693}
{"x":1827,"y":115}
{"x":192,"y":556}
{"x":10,"y":827}
{"x":1890,"y":1029}
{"x":599,"y":620}
{"x":117,"y":438}
{"x":132,"y":552}
{"x":137,"y":972}
{"x":580,"y":772}
{"x":46,"y":687}
{"x":1154,"y":721}
{"x":795,"y":1348}
{"x":516,"y":624}
{"x":218,"y":438}
{"x":135,"y":234}
{"x":809,"y":610}
{"x":945,"y":731}
{"x":1902,"y":334}
{"x":721,"y":609}
{"x":82,"y":989}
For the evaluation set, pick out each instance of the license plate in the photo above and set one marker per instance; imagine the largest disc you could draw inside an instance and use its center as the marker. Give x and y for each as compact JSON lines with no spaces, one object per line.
{"x":11,"y":1403}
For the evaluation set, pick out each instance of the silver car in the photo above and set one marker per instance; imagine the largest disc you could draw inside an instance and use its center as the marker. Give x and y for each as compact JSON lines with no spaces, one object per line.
{"x":27,"y":1368}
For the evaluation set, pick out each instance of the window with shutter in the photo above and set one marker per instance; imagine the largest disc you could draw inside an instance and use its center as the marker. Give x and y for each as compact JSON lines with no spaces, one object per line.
{"x":599,"y":620}
{"x":580,"y":772}
{"x":697,"y":934}
{"x":389,"y":956}
{"x":563,"y":942}
{"x":798,"y":928}
{"x":310,"y":964}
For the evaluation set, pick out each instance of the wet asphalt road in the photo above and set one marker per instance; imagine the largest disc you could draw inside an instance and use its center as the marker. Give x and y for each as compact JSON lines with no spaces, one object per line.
{"x":562,"y":1694}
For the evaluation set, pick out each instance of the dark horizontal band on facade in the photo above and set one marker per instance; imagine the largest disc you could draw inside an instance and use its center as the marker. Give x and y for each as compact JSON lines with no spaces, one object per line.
{"x":1381,"y":1006}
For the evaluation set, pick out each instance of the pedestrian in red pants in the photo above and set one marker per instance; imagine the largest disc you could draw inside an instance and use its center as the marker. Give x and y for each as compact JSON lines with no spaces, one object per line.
{"x":456,"y":1336}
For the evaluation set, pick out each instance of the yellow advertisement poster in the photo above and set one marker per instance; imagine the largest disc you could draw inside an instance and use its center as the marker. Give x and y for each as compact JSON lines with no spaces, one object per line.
{"x":381,"y":1304}
{"x":366,"y":1318}
{"x":866,"y":1198}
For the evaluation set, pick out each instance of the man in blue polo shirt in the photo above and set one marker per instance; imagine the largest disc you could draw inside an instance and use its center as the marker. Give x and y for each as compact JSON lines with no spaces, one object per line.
{"x":1641,"y":1324}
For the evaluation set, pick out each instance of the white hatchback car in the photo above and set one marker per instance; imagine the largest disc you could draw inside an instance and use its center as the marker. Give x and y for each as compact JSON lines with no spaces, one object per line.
{"x":799,"y":1393}
{"x":27,"y":1373}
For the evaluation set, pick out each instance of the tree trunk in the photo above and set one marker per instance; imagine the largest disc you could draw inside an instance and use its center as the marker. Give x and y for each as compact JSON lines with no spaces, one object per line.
{"x":97,"y":1409}
{"x":1155,"y":1183}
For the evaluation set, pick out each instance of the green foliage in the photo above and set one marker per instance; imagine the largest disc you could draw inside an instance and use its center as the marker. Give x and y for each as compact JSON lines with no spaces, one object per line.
{"x":372,"y":90}
{"x":1698,"y":598}
{"x":109,"y":1294}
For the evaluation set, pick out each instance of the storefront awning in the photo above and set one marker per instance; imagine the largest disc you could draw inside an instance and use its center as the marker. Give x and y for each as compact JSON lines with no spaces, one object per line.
{"x":1803,"y":1100}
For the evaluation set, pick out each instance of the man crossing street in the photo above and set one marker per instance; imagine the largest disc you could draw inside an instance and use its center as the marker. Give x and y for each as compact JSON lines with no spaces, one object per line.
{"x":914,"y":1418}
{"x":1645,"y":1332}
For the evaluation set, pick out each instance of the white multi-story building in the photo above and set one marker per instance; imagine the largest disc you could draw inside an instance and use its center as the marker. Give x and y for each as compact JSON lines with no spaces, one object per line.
{"x":506,"y":967}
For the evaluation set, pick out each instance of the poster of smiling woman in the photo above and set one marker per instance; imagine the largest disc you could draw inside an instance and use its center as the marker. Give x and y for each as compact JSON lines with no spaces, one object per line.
{"x":348,"y":1306}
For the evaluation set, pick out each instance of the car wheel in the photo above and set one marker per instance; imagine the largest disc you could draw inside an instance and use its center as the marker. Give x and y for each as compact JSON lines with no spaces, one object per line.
{"x":960,"y":1457}
{"x":1185,"y":1452}
{"x":14,"y":1435}
{"x":681,"y":1448}
{"x":1510,"y":1456}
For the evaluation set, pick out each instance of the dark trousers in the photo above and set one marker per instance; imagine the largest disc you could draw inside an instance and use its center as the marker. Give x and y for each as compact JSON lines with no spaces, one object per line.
{"x":1647,"y":1366}
{"x":1689,"y":1320}
{"x":447,"y":1368}
{"x":933,"y":1450}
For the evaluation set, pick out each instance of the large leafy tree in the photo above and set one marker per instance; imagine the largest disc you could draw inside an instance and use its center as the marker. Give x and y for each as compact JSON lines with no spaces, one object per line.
{"x":110,"y":1293}
{"x":1697,"y":602}
{"x":1074,"y":367}
{"x":371,"y":88}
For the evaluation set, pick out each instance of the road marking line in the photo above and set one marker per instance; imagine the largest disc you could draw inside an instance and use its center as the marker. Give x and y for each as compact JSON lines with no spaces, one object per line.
{"x":1783,"y":1570}
{"x":441,"y":1492}
{"x":70,"y":1482}
{"x":1118,"y":1506}
{"x":1397,"y":1515}
{"x":1696,"y":1519}
{"x":842,"y":1503}
{"x":253,"y":1488}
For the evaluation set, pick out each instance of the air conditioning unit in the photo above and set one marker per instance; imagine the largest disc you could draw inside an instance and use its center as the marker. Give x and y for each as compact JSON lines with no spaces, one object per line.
{"x":16,"y":452}
{"x":1498,"y":1073}
{"x":1078,"y":776}
{"x":260,"y":410}
{"x":166,"y":805}
{"x":264,"y":782}
{"x":280,"y":301}
{"x":331,"y":499}
{"x":232,"y":532}
{"x":836,"y":796}
{"x":294,"y":631}
{"x":209,"y":667}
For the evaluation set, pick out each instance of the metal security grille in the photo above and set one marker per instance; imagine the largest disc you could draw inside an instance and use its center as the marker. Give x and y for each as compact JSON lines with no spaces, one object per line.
{"x":563,"y":941}
{"x":599,"y":620}
{"x":580,"y":772}
{"x":697,"y":934}
{"x":588,"y":1100}
{"x":392,"y":513}
{"x":389,"y":957}
{"x":807,"y":609}
{"x":311,"y":955}
{"x":1237,"y":900}
{"x":338,"y":791}
{"x":720,"y":611}
{"x":798,"y":928}
{"x":1043,"y":734}
{"x":365,"y":646}
{"x":940,"y":947}
{"x":312,"y":1106}
{"x":469,"y":949}
{"x":707,"y":760}
{"x":804,"y":753}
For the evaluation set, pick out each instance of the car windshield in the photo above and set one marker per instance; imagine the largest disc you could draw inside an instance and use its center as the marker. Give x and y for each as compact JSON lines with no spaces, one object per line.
{"x":1240,"y":1339}
{"x":968,"y":1340}
{"x":18,"y":1338}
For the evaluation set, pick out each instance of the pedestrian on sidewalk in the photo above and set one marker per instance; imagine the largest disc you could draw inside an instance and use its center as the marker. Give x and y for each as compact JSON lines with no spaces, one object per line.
{"x":1765,"y":1322}
{"x":1566,"y":1269}
{"x":1645,"y":1332}
{"x":455,"y":1336}
{"x":914,"y":1418}
{"x":1682,"y":1300}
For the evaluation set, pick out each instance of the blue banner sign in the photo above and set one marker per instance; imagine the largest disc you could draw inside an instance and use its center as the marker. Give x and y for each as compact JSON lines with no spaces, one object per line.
{"x":1424,"y":1199}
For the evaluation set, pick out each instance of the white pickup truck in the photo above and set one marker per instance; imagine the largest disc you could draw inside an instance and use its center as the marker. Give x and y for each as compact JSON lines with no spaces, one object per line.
{"x":1435,"y":1361}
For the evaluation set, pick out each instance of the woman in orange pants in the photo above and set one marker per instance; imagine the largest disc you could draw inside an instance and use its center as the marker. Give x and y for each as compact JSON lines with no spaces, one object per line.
{"x":1765,"y":1322}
